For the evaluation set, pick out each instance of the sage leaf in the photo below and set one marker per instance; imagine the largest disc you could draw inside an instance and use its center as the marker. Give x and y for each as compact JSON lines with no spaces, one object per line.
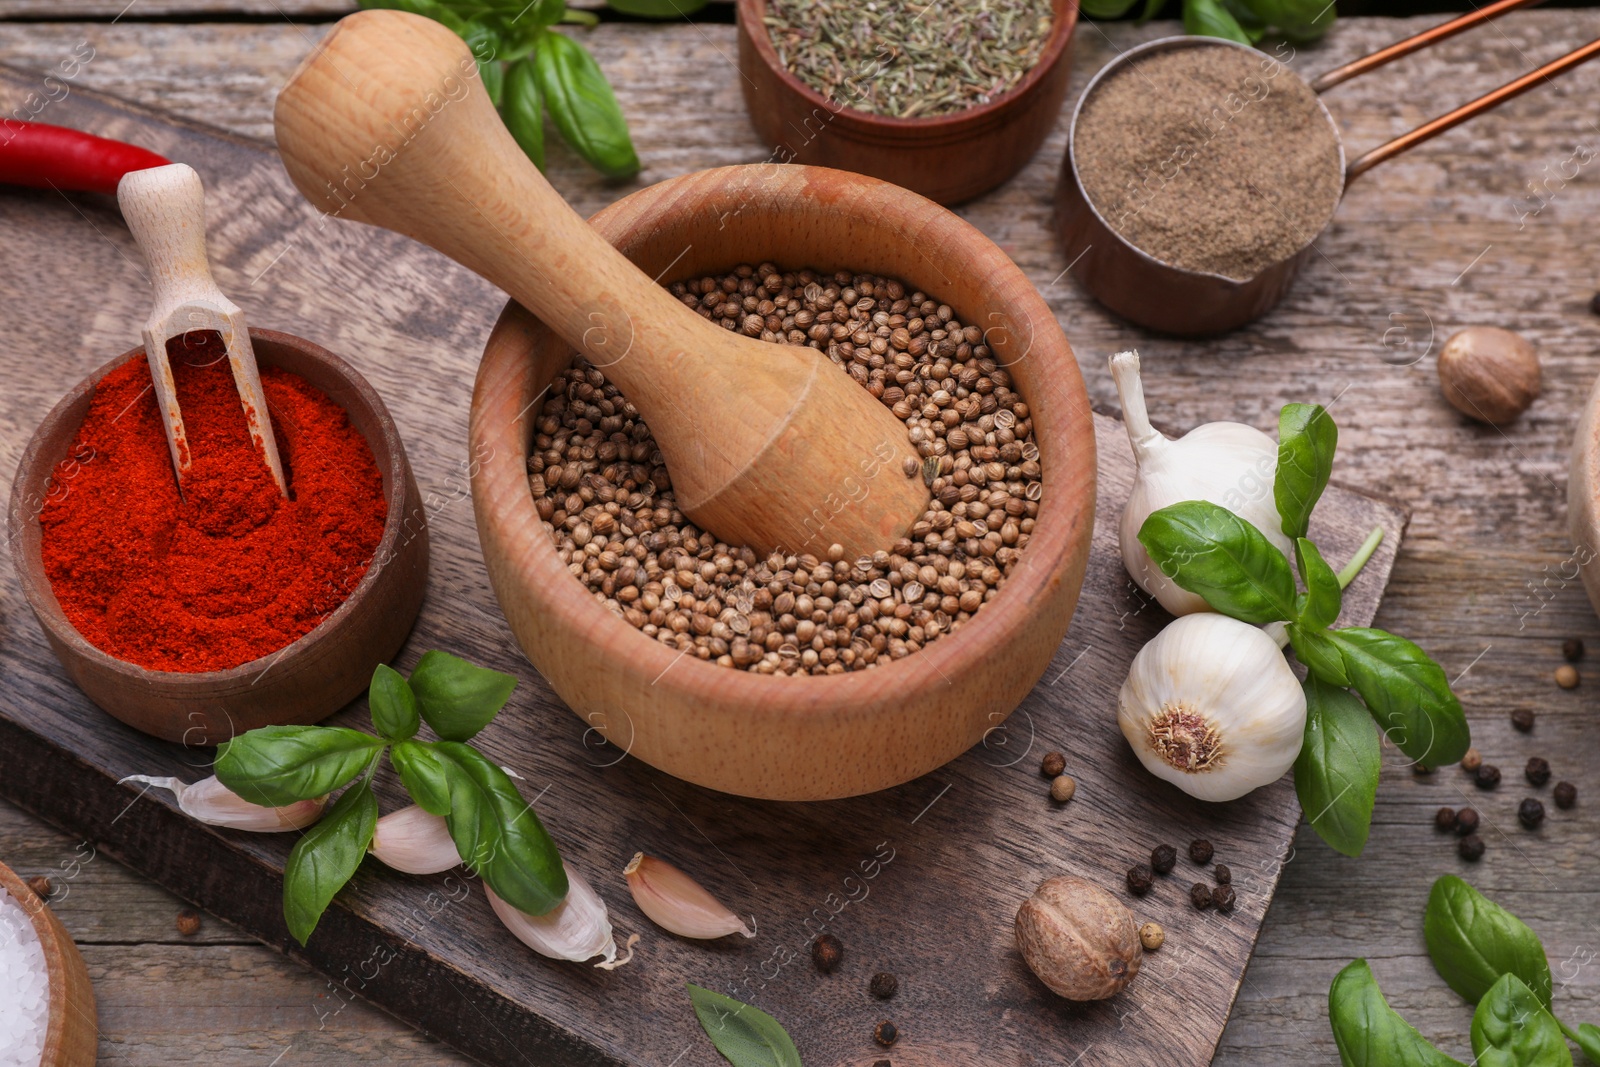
{"x":746,"y":1036}
{"x":1368,"y":1032}
{"x":327,"y":856}
{"x":1307,"y":439}
{"x":660,"y":9}
{"x":1336,"y":773}
{"x":278,"y":765}
{"x":423,"y":775}
{"x":1319,"y":653}
{"x":496,"y":832}
{"x":1407,"y":693}
{"x":1473,"y":941}
{"x":523,"y":110}
{"x":393,"y":704}
{"x":1323,"y":597}
{"x":1511,"y":1028}
{"x":583,"y":107}
{"x":1209,"y":18}
{"x":457,"y":698}
{"x":1209,"y":550}
{"x":1587,"y":1038}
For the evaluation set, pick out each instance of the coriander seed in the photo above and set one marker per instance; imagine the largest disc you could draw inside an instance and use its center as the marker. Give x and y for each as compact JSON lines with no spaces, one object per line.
{"x":1488,"y":776}
{"x":188,"y":922}
{"x":1522,"y":719}
{"x":885,"y":1033}
{"x":1200,"y":895}
{"x":1472,"y":760}
{"x":1572,"y":649}
{"x":1445,"y":818}
{"x":1537,"y":771}
{"x":1567,"y":676}
{"x":1222,"y":898}
{"x":1466,"y":822}
{"x":1200,"y":851}
{"x":1152,"y":936}
{"x":1470,"y":848}
{"x":1566,"y":795}
{"x":1062,"y":789}
{"x":884,"y":985}
{"x":826,"y":953}
{"x":1140,"y":879}
{"x":1530,"y":813}
{"x":1053,"y":764}
{"x":1163,"y":858}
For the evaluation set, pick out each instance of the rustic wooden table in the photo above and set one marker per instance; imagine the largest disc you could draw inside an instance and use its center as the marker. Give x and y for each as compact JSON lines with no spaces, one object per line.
{"x":1490,"y":224}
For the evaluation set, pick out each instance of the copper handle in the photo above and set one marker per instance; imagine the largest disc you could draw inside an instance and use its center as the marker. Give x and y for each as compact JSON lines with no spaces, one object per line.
{"x":1414,"y":44}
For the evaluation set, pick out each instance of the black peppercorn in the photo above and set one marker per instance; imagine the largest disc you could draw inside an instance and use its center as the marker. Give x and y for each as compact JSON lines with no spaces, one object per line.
{"x":1163,"y":858}
{"x":1140,"y":879}
{"x":1572,"y":649}
{"x":826,"y":953}
{"x":1566,"y":795}
{"x":1053,"y":765}
{"x":1200,"y":851}
{"x":1466,"y":821}
{"x":1522,"y":719}
{"x":1222,"y":898}
{"x":1445,"y":819}
{"x":884,"y":985}
{"x":1471,"y":848}
{"x":885,"y":1034}
{"x":1488,"y":776}
{"x":1530,"y":813}
{"x":1537,"y":771}
{"x":1594,"y":303}
{"x":1200,"y":895}
{"x":1223,"y":875}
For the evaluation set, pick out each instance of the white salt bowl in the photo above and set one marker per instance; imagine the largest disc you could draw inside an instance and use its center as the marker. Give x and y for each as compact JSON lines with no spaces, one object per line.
{"x":71,"y":1034}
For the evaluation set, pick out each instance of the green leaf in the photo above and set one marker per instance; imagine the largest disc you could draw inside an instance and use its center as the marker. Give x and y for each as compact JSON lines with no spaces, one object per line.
{"x":493,"y":76}
{"x":327,"y":856}
{"x":393,"y":704}
{"x":497,"y":833}
{"x":746,"y":1036}
{"x":1473,"y":941}
{"x":523,"y":110}
{"x":277,"y":765}
{"x":1368,"y":1032}
{"x":1307,"y":439}
{"x":457,"y":698}
{"x":1323,"y":595}
{"x":1407,"y":693}
{"x":423,"y":775}
{"x":1336,"y":773}
{"x":1151,"y":8}
{"x":580,"y":18}
{"x":1209,"y":550}
{"x":431,"y":9}
{"x":1105,"y":9}
{"x":582,"y":106}
{"x":1209,"y":18}
{"x":1299,"y":20}
{"x":1587,"y":1038}
{"x":662,"y":9}
{"x":1319,"y":653}
{"x":1511,"y":1028}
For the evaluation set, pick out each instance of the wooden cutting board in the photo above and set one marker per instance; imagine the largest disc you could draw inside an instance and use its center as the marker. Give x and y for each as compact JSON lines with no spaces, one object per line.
{"x":922,"y":880}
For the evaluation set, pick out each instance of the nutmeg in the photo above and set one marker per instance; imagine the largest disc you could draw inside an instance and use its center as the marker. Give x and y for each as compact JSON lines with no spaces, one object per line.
{"x":1489,"y":374}
{"x":1078,"y":939}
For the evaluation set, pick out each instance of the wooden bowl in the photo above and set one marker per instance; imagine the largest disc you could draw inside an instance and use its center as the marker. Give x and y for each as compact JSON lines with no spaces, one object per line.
{"x":72,"y":1036}
{"x":1583,"y":496}
{"x":310,"y":679}
{"x":804,"y":738}
{"x":948,"y":158}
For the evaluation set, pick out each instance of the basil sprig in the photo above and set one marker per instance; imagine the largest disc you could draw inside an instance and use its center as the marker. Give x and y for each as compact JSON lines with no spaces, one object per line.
{"x":495,"y":831}
{"x":1245,"y":21}
{"x":1511,"y":1028}
{"x":1473,"y":941}
{"x":1368,"y":1032}
{"x":746,"y":1036}
{"x":1208,"y":550}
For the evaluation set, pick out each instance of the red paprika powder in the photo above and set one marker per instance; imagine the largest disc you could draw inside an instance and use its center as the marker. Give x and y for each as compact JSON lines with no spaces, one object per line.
{"x":228,"y":571}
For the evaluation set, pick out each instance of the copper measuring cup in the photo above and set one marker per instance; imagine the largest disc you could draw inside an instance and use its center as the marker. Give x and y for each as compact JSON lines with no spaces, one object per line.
{"x":1176,"y":300}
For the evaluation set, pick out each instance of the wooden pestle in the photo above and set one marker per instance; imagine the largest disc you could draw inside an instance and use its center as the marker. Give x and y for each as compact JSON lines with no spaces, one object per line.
{"x":768,"y":445}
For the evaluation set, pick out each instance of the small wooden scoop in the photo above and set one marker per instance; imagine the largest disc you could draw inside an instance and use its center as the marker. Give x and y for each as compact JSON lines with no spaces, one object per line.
{"x":165,"y":208}
{"x":768,"y":445}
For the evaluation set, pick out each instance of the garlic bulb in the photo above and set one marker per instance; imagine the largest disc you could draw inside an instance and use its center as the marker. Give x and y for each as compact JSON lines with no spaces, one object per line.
{"x":414,"y":841}
{"x":677,"y":903}
{"x":1225,"y":463}
{"x":1212,"y":706}
{"x":209,"y":801}
{"x":577,"y":929}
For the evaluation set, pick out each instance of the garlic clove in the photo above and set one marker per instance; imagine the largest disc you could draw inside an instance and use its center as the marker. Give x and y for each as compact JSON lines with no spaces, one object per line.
{"x":414,"y":841}
{"x":577,"y":929}
{"x":211,"y":802}
{"x":677,"y":903}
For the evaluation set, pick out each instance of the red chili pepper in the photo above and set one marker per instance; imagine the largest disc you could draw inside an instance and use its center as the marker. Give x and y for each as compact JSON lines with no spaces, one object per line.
{"x":44,"y":157}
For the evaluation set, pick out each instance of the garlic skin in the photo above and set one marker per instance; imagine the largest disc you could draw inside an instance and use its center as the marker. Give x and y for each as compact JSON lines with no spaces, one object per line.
{"x":211,"y":802}
{"x":677,"y":903}
{"x":1225,"y":463}
{"x":1212,"y":706}
{"x":413,"y":841}
{"x":577,"y":929}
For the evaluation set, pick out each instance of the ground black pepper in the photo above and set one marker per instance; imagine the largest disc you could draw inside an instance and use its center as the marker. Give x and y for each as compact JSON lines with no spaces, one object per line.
{"x":1537,"y":771}
{"x":1163,"y":858}
{"x":1566,"y":795}
{"x":1488,"y":776}
{"x":1445,"y":819}
{"x":1200,"y":851}
{"x":1053,"y":764}
{"x":1466,"y":821}
{"x":1530,"y":813}
{"x":885,"y":1034}
{"x":1222,"y":898}
{"x":1471,"y":848}
{"x":884,"y":985}
{"x":1572,"y":649}
{"x":1140,"y":879}
{"x":1522,"y":719}
{"x":1200,"y":895}
{"x":827,"y":952}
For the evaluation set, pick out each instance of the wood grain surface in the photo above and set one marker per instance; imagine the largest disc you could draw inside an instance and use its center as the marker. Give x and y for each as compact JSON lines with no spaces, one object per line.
{"x":1448,"y":235}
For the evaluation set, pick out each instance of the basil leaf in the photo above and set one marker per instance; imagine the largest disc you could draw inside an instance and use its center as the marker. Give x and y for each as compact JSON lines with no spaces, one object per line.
{"x":431,"y":9}
{"x":1336,"y":773}
{"x":457,"y":698}
{"x":1323,"y":595}
{"x":1407,"y":693}
{"x":746,"y":1036}
{"x":1209,"y":550}
{"x":1368,"y":1032}
{"x":1511,"y":1028}
{"x":1208,"y":18}
{"x":1587,"y":1038}
{"x":1299,"y":20}
{"x":277,"y":765}
{"x":1473,"y":941}
{"x":1319,"y":653}
{"x":497,"y":833}
{"x":662,"y":9}
{"x":582,"y":106}
{"x":523,"y":110}
{"x":493,"y":76}
{"x":1151,"y":8}
{"x":327,"y":856}
{"x":423,"y":775}
{"x":393,"y":704}
{"x":1307,"y":439}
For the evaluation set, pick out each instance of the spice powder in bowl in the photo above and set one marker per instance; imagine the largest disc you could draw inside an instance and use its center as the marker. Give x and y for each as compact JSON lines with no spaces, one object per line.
{"x":1209,"y":157}
{"x":229,"y":570}
{"x":605,"y":495}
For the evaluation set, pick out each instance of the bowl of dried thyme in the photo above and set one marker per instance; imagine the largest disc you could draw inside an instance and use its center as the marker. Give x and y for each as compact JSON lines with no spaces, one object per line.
{"x":946,"y":99}
{"x":801,"y":676}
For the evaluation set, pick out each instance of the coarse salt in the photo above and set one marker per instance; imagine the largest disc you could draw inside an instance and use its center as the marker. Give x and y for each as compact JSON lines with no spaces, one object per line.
{"x":24,"y":988}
